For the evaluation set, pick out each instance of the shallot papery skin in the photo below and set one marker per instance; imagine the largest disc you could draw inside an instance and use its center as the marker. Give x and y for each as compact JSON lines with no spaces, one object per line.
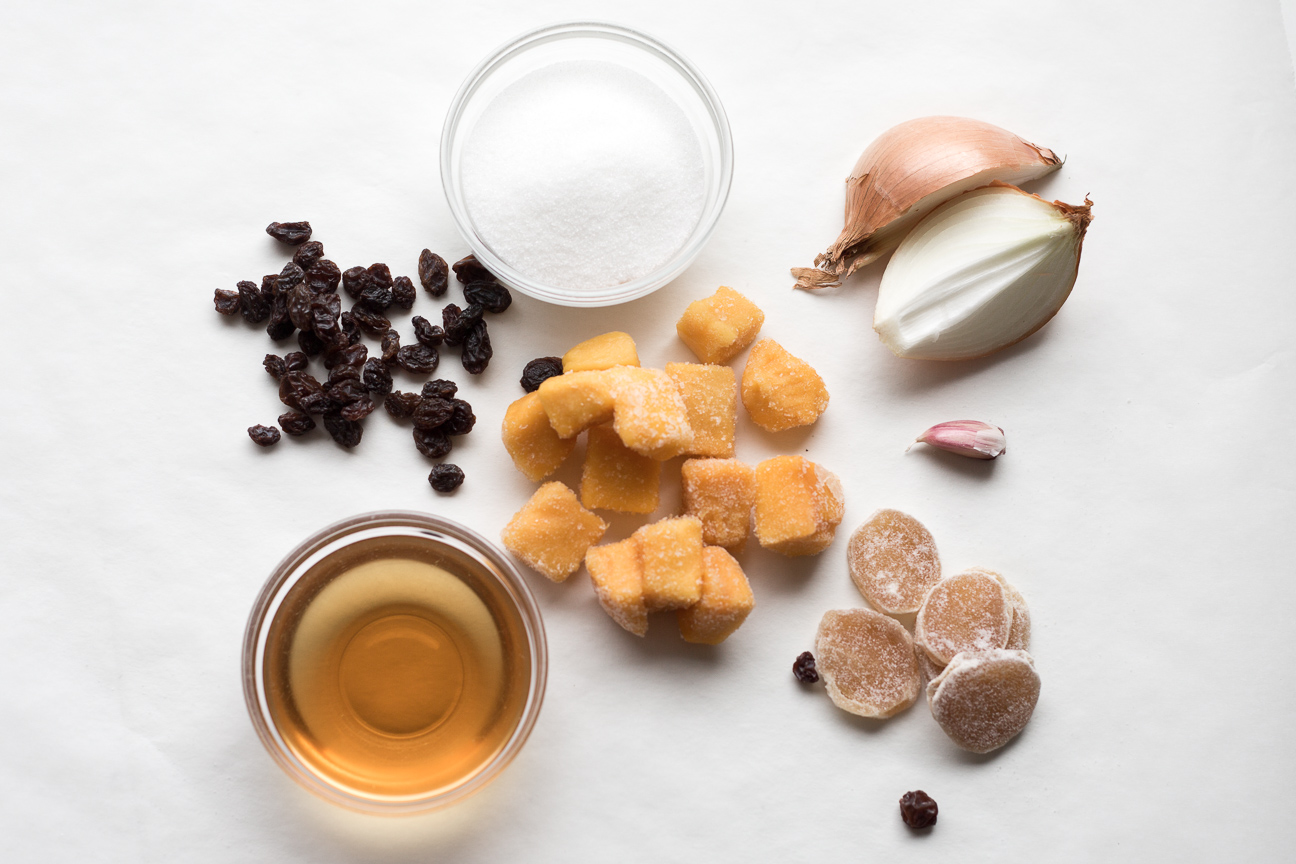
{"x":970,"y":438}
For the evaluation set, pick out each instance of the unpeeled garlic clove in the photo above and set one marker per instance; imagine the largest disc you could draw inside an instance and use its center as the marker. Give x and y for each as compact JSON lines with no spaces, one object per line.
{"x":970,"y":438}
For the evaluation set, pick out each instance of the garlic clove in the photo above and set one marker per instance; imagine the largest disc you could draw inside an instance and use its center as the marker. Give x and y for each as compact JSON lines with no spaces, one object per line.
{"x":970,"y":438}
{"x":980,"y":273}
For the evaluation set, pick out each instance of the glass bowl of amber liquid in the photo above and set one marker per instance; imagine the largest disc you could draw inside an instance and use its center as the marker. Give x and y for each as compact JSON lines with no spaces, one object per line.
{"x":394,"y":663}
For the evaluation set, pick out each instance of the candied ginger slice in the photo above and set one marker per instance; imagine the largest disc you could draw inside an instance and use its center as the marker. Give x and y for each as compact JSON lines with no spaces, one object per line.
{"x":867,"y":662}
{"x":1020,"y":632}
{"x":617,"y":573}
{"x":983,"y":699}
{"x":893,"y":561}
{"x":726,"y":600}
{"x":552,"y":532}
{"x":968,"y":611}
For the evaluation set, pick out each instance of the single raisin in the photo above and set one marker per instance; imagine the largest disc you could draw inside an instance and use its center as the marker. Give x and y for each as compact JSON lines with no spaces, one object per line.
{"x":804,"y":668}
{"x":403,"y":293}
{"x":462,"y":421}
{"x":426,"y":332}
{"x":433,"y":444}
{"x":539,"y":371}
{"x":323,"y":277}
{"x":299,"y":307}
{"x":359,"y":409}
{"x":440,"y":387}
{"x":292,"y":233}
{"x":309,"y":343}
{"x":353,"y":281}
{"x":376,"y":297}
{"x":371,"y":322}
{"x":289,"y":277}
{"x":477,"y":351}
{"x":295,"y":423}
{"x":227,"y":302}
{"x":296,"y":361}
{"x":469,"y":269}
{"x":491,"y":296}
{"x":459,"y":322}
{"x":270,"y":286}
{"x":419,"y":359}
{"x":433,"y":273}
{"x":280,"y":326}
{"x":274,"y":364}
{"x":918,"y":809}
{"x":328,"y":327}
{"x":350,"y":328}
{"x":330,"y":303}
{"x":446,"y":477}
{"x":308,"y":253}
{"x":345,"y":432}
{"x":264,"y":435}
{"x":344,"y":372}
{"x":376,"y":377}
{"x":352,"y":355}
{"x":401,"y":406}
{"x":302,"y":391}
{"x":254,"y":307}
{"x":432,"y":413}
{"x":390,"y":345}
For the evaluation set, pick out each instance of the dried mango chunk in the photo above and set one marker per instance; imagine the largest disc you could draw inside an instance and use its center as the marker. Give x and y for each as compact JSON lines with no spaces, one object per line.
{"x":968,"y":611}
{"x":893,"y":561}
{"x":721,"y":493}
{"x":710,"y":395}
{"x":718,"y":327}
{"x":617,"y":478}
{"x":726,"y":600}
{"x":867,"y":662}
{"x":601,"y":352}
{"x":671,"y":551}
{"x":649,"y":413}
{"x":531,"y":442}
{"x":983,"y":699}
{"x":798,"y":506}
{"x":617,"y":573}
{"x":575,"y":402}
{"x":552,"y":532}
{"x":780,"y":391}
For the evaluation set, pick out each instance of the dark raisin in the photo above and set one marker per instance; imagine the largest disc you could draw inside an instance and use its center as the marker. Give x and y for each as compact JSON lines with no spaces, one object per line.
{"x":440,"y":387}
{"x":376,"y":297}
{"x":292,"y":233}
{"x":299,"y":307}
{"x":419,"y":359}
{"x":330,"y":303}
{"x":350,"y":328}
{"x":323,"y":277}
{"x":289,"y":277}
{"x":280,"y":326}
{"x":469,"y":269}
{"x":458,"y":323}
{"x":462,"y":421}
{"x":380,"y":273}
{"x":446,"y":477}
{"x":264,"y":435}
{"x":804,"y":668}
{"x":371,"y":322}
{"x":539,"y":371}
{"x":274,"y":364}
{"x":359,"y":409}
{"x":477,"y":351}
{"x":344,"y":372}
{"x":426,"y":332}
{"x":353,"y":281}
{"x":376,"y":377}
{"x":254,"y":307}
{"x":309,"y":343}
{"x":227,"y":302}
{"x":403,"y":293}
{"x":296,"y":423}
{"x":296,"y":361}
{"x":390,"y":345}
{"x":918,"y":809}
{"x":270,"y":286}
{"x":352,"y":355}
{"x":345,"y":432}
{"x":328,"y":327}
{"x":432,"y":413}
{"x":400,"y":405}
{"x":432,"y":444}
{"x":433,"y":273}
{"x":302,"y":391}
{"x":308,"y":253}
{"x":491,"y":296}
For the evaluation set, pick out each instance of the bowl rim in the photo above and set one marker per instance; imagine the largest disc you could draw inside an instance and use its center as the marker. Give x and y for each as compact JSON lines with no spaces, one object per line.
{"x":296,"y":563}
{"x":625,"y":291}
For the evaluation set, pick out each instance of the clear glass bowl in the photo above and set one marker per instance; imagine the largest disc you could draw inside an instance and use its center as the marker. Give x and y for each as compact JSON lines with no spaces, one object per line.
{"x":610,"y":43}
{"x":447,"y":539}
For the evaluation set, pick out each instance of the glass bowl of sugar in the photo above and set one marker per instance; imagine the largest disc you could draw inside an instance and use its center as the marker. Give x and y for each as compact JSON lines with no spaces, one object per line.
{"x":586,"y":164}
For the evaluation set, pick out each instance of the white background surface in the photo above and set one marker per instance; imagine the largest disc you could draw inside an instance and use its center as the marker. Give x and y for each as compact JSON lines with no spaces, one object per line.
{"x":1144,"y":507}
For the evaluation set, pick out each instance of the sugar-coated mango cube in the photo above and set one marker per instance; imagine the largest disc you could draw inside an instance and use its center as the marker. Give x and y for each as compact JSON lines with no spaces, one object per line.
{"x":616,"y":570}
{"x":780,"y":391}
{"x":721,"y":493}
{"x":531,"y":442}
{"x":798,"y":506}
{"x":726,"y":600}
{"x":671,"y":551}
{"x":601,"y":352}
{"x":617,"y":478}
{"x":710,"y":395}
{"x":718,"y":327}
{"x":552,"y":532}
{"x":575,"y":402}
{"x":649,"y":415}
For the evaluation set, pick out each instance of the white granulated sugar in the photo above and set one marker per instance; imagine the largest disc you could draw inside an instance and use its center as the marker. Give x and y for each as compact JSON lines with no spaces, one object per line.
{"x":584,"y":175}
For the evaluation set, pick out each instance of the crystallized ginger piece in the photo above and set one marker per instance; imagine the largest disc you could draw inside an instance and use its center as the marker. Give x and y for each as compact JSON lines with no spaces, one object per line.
{"x":617,"y":573}
{"x":575,"y":402}
{"x":671,"y":551}
{"x":1020,"y":632}
{"x":983,"y":699}
{"x":722,"y":493}
{"x":867,"y":662}
{"x":798,"y":506}
{"x":893,"y":561}
{"x":726,"y":600}
{"x":710,"y":395}
{"x":968,"y":611}
{"x":617,"y":478}
{"x":649,"y":413}
{"x":928,"y":669}
{"x":552,"y":532}
{"x":601,"y":352}
{"x":718,"y":327}
{"x":531,"y":442}
{"x":780,"y":391}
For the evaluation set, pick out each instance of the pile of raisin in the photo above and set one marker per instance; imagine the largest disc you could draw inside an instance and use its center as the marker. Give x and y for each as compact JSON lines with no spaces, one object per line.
{"x":303,"y":299}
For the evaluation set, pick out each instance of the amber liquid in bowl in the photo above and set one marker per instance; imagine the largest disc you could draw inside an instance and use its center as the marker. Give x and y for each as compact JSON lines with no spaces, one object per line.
{"x":396,"y":668}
